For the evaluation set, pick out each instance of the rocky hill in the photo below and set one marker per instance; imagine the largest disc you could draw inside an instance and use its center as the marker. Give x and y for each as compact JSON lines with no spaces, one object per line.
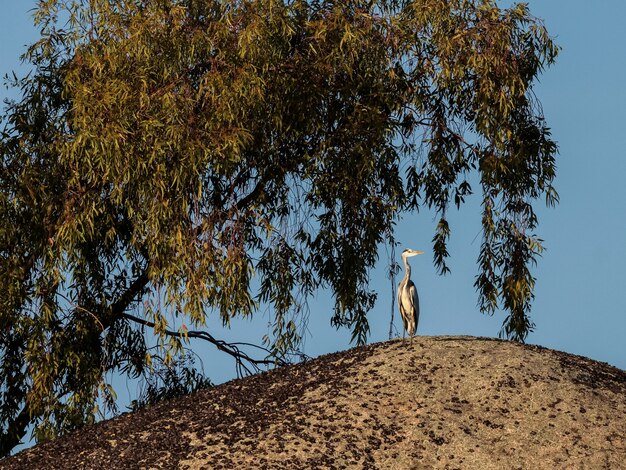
{"x":434,"y":402}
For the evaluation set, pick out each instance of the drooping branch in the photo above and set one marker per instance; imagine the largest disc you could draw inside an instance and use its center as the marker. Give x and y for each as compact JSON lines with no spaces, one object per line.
{"x":231,"y":349}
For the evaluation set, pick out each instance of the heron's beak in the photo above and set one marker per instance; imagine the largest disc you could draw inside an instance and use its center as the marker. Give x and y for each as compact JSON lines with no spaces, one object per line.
{"x":415,"y":253}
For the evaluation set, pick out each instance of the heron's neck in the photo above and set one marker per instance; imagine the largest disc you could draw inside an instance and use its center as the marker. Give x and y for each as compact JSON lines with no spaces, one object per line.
{"x":407,"y":268}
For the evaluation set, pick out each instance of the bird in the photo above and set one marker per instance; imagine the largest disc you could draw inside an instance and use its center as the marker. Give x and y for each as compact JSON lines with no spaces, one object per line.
{"x":408,"y":301}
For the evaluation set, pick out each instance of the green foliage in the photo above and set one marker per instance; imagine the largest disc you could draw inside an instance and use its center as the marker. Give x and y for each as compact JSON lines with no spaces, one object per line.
{"x":166,"y":153}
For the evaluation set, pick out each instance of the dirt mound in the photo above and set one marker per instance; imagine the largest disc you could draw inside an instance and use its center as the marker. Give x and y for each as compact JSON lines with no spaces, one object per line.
{"x":434,"y":402}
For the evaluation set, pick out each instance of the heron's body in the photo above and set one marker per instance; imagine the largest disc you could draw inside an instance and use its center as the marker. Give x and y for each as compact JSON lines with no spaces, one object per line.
{"x":408,"y":300}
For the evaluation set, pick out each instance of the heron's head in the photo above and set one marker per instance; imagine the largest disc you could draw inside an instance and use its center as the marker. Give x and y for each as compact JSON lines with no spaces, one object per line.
{"x":408,"y":252}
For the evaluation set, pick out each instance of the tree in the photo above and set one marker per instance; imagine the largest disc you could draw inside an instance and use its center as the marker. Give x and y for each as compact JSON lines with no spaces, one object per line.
{"x":176,"y":159}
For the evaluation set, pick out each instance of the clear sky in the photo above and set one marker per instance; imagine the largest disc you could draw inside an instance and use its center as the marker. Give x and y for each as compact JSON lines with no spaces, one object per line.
{"x":580,"y":304}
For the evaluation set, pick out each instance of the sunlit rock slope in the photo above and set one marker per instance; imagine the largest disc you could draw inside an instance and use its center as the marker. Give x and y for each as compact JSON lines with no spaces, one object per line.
{"x":434,"y":402}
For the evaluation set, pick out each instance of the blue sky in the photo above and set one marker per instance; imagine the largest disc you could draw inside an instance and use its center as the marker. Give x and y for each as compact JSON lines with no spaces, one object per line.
{"x":580,"y":302}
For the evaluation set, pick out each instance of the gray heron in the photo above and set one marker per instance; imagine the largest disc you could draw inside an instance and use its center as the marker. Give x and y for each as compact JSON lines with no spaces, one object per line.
{"x":408,"y":301}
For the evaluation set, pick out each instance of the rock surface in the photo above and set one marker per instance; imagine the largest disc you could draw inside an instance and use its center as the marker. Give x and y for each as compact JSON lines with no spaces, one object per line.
{"x":434,"y":402}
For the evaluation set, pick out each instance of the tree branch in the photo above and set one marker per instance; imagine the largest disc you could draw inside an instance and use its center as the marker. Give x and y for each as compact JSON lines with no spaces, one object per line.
{"x":117,"y":308}
{"x":16,"y":430}
{"x":229,"y":348}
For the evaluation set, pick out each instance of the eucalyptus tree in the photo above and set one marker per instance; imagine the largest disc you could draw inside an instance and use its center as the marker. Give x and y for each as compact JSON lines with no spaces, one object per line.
{"x":169,"y":160}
